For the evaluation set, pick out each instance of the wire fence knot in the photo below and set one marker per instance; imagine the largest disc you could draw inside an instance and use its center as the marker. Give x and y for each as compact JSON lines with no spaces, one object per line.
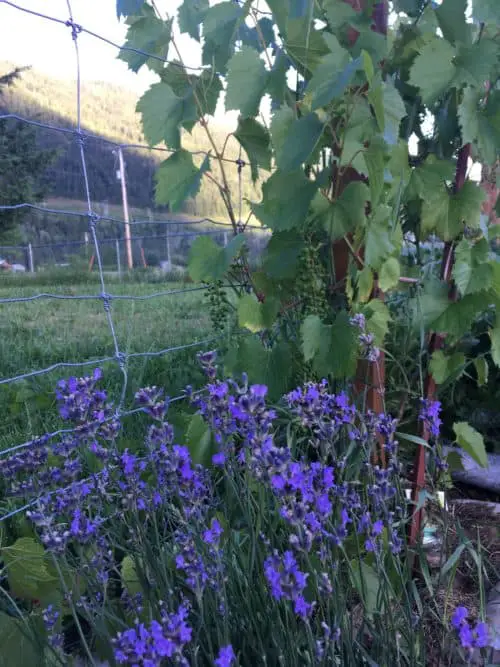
{"x":241,"y":163}
{"x":106,"y":300}
{"x":76,"y":29}
{"x":93,"y":220}
{"x":79,"y":138}
{"x":121,"y":358}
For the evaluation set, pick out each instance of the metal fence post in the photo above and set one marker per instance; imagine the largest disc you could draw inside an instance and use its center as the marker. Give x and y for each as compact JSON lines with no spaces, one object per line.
{"x":118,"y":260}
{"x":31,"y":263}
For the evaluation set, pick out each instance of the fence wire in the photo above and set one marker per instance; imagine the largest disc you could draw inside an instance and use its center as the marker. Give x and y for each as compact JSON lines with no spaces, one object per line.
{"x":81,"y":136}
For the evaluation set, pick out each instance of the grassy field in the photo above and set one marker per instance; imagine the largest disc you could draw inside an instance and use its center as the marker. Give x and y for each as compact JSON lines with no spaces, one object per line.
{"x":38,"y":334}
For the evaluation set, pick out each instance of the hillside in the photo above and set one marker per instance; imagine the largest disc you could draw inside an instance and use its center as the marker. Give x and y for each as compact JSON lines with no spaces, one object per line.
{"x":107,"y":111}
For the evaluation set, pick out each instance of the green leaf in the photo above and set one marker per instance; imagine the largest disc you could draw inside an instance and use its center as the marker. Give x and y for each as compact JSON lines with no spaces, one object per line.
{"x":446,"y":213}
{"x":207,"y":261}
{"x":374,"y":158}
{"x":480,"y":124}
{"x":250,"y":313}
{"x":285,"y":201}
{"x":389,"y":274}
{"x":378,"y":244}
{"x":304,"y":44}
{"x":337,"y":354}
{"x":219,"y":31}
{"x":431,"y":175}
{"x":339,"y":13}
{"x":433,"y":70}
{"x":487,"y":11}
{"x":471,"y":270}
{"x":200,"y":93}
{"x":377,"y":320}
{"x":394,"y":112}
{"x":199,"y":441}
{"x":474,"y":64}
{"x":190,"y":15}
{"x":17,"y":647}
{"x":162,"y":114}
{"x":129,"y":575}
{"x":276,"y":80}
{"x":208,"y":88}
{"x":298,"y":144}
{"x":26,"y":569}
{"x":451,"y":18}
{"x":495,"y":343}
{"x":442,"y":366}
{"x":348,"y":211}
{"x":178,"y":178}
{"x":128,"y":7}
{"x":452,"y":561}
{"x":312,"y":331}
{"x":246,"y":82}
{"x":365,"y":284}
{"x":254,"y":139}
{"x":471,"y":442}
{"x":367,"y":584}
{"x":332,"y":76}
{"x":482,"y":370}
{"x":282,"y":254}
{"x":150,"y":35}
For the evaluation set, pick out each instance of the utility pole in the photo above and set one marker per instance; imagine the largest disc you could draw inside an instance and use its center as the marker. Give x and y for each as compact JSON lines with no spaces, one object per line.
{"x":126,"y":217}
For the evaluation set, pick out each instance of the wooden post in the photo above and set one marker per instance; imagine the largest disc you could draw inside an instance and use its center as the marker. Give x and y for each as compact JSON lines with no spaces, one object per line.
{"x":118,"y":259}
{"x":31,"y":263}
{"x":126,"y":217}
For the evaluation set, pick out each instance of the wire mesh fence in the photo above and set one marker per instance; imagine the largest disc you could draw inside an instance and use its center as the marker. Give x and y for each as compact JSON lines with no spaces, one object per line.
{"x":97,"y":243}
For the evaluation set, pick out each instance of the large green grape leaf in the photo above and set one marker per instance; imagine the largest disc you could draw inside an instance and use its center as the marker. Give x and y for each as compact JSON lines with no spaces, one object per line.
{"x":304,"y":44}
{"x":389,"y":274}
{"x":282,"y":254}
{"x":377,"y":319}
{"x":26,"y":569}
{"x":471,"y":442}
{"x":332,"y":75}
{"x":299,"y":142}
{"x":495,"y":342}
{"x":128,"y":7}
{"x":458,"y":317}
{"x":339,"y":13}
{"x":150,"y":35}
{"x":190,"y":15}
{"x":312,"y":332}
{"x":208,"y":261}
{"x":451,"y":18}
{"x":286,"y":199}
{"x":348,"y":212}
{"x":281,"y":122}
{"x":487,"y":11}
{"x":480,"y":124}
{"x":18,"y":648}
{"x":207,"y":90}
{"x":430,"y":176}
{"x":433,"y":70}
{"x":474,"y":64}
{"x":471,"y":270}
{"x":443,"y":366}
{"x":374,"y":158}
{"x":378,"y":242}
{"x":178,"y":178}
{"x":163,"y":113}
{"x":276,"y":81}
{"x":219,"y":31}
{"x":201,"y":92}
{"x":394,"y":112}
{"x":337,"y":354}
{"x":446,"y":213}
{"x":254,"y":139}
{"x":246,"y":82}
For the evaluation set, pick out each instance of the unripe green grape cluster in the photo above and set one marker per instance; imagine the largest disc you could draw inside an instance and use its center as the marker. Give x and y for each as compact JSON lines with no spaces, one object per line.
{"x":310,"y":285}
{"x":218,"y":304}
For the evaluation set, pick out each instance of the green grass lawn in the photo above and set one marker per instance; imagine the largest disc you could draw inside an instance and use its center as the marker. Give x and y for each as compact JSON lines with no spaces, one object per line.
{"x":38,"y":334}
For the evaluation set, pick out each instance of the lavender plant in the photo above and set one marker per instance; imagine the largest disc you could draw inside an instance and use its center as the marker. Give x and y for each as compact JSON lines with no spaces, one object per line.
{"x":288,"y":549}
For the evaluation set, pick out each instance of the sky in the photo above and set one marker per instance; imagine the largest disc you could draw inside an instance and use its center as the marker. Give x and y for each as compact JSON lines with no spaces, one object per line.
{"x":31,"y":40}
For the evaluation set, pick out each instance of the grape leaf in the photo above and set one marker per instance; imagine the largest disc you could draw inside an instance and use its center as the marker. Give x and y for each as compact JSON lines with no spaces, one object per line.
{"x":199,"y":441}
{"x":332,"y":76}
{"x":178,"y":178}
{"x":389,"y":274}
{"x":364,"y":284}
{"x":207,"y":261}
{"x":282,"y":254}
{"x":374,"y":158}
{"x":150,"y":35}
{"x":246,"y":82}
{"x":128,"y":7}
{"x":471,"y":442}
{"x":433,"y":70}
{"x":281,"y":123}
{"x":471,"y":271}
{"x":250,"y":313}
{"x":337,"y":352}
{"x":219,"y":31}
{"x":446,"y":213}
{"x":304,"y":44}
{"x":19,"y":648}
{"x":276,"y":80}
{"x":190,"y":15}
{"x":299,"y":142}
{"x":442,"y":366}
{"x":201,"y":93}
{"x":285,"y":201}
{"x":348,"y":211}
{"x":377,"y":319}
{"x":129,"y":576}
{"x":394,"y":112}
{"x":378,"y":244}
{"x":459,"y":316}
{"x":162,"y":114}
{"x":451,"y":18}
{"x":486,"y":11}
{"x":208,"y":88}
{"x":495,"y":343}
{"x":26,"y":569}
{"x":475,"y":63}
{"x":339,"y":13}
{"x":482,"y":371}
{"x":312,"y":333}
{"x":254,"y":138}
{"x":480,"y":125}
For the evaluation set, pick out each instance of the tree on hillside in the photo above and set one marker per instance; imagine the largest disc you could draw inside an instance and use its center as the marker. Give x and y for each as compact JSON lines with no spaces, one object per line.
{"x":22,"y":165}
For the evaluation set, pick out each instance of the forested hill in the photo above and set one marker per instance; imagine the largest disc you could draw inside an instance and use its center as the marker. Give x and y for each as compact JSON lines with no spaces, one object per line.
{"x":109,"y":112}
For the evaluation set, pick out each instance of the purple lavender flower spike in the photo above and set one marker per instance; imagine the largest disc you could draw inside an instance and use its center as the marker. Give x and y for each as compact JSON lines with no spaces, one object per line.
{"x":226,"y":657}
